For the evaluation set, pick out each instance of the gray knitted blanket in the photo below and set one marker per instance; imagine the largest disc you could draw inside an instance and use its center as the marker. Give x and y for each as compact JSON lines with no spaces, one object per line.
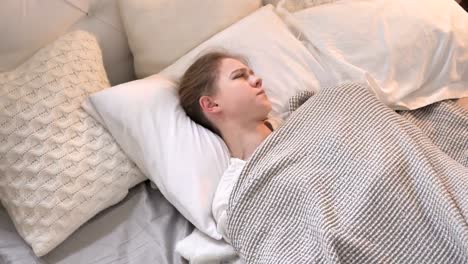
{"x":348,"y":180}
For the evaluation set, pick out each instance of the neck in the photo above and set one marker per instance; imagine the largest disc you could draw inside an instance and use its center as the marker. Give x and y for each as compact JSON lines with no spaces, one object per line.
{"x":243,"y":140}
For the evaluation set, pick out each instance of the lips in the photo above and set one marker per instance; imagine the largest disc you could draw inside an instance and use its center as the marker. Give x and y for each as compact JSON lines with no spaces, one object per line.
{"x":261,"y":92}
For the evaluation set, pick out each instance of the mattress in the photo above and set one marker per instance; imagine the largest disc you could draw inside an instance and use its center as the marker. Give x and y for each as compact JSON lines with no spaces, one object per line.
{"x":143,"y":228}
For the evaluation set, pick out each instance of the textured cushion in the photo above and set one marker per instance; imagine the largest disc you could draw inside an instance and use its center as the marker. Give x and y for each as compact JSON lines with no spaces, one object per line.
{"x":184,"y":159}
{"x":58,"y":166}
{"x":160,"y":31}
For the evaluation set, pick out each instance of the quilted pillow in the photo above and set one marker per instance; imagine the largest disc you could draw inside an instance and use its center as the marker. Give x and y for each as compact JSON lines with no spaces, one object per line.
{"x":58,"y":166}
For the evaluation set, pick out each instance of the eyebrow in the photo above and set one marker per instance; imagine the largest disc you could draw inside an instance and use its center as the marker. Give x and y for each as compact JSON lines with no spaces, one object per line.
{"x":243,"y":70}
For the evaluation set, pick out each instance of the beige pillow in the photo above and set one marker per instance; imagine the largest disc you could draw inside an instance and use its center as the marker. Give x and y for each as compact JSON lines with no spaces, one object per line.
{"x":58,"y":166}
{"x":270,"y":2}
{"x":161,"y":31}
{"x":27,"y":26}
{"x":296,"y":5}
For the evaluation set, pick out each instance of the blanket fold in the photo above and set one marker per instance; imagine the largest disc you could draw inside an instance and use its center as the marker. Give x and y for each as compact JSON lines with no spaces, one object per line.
{"x":348,"y":180}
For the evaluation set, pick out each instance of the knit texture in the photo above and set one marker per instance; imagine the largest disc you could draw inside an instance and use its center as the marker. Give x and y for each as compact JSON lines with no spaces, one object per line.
{"x":348,"y":180}
{"x":58,"y":166}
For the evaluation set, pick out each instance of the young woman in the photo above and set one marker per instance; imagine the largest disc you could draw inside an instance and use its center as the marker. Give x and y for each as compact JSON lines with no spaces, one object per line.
{"x":221,"y":92}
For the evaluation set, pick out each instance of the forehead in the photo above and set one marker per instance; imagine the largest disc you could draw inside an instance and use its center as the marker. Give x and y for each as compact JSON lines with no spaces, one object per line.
{"x":229,"y":65}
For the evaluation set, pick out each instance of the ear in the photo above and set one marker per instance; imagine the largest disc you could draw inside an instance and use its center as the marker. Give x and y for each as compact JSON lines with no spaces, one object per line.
{"x":209,"y":105}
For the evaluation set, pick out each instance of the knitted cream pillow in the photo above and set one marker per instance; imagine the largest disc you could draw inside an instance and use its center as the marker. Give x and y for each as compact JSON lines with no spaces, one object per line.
{"x":58,"y":166}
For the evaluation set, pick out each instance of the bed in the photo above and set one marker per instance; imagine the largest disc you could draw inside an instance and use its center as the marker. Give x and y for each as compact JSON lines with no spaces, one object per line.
{"x":110,"y":69}
{"x":143,"y":228}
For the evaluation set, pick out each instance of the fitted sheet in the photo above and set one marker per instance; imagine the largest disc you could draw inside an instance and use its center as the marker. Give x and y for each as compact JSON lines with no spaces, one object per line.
{"x":143,"y":228}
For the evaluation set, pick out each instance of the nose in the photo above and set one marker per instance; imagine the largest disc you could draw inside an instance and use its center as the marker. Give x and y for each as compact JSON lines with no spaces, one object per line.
{"x":256,"y":81}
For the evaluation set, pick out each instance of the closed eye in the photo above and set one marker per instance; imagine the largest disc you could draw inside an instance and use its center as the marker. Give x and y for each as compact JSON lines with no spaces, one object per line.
{"x":241,"y":73}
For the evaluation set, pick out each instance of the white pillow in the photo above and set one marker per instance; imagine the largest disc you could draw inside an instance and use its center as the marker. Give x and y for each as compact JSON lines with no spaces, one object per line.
{"x":159,"y":32}
{"x":181,"y":157}
{"x":58,"y":166}
{"x":416,"y":50}
{"x":184,"y":159}
{"x":274,"y":53}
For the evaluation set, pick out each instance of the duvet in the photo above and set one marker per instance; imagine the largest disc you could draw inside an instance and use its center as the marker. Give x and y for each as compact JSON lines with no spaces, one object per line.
{"x":348,"y":180}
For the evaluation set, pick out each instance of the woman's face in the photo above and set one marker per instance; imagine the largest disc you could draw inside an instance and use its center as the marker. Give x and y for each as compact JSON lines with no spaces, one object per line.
{"x":240,"y":93}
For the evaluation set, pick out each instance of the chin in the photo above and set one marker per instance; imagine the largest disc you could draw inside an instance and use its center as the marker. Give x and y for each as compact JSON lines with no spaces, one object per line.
{"x":264,"y":108}
{"x":268,"y":107}
{"x":267,"y":111}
